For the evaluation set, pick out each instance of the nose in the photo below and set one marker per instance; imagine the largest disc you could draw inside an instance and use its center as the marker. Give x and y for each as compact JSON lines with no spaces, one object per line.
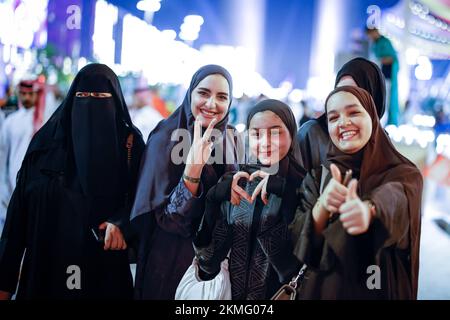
{"x":210,"y":103}
{"x":264,"y":141}
{"x":343,"y":121}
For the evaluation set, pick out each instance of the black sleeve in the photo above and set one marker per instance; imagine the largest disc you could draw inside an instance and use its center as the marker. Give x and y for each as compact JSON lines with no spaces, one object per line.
{"x":309,"y":247}
{"x":213,"y":239}
{"x":122,"y":217}
{"x":276,"y":185}
{"x":13,"y":240}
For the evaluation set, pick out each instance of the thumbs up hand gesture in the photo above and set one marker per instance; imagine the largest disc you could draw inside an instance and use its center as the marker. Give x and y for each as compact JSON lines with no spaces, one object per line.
{"x":335,"y":192}
{"x":355,"y":215}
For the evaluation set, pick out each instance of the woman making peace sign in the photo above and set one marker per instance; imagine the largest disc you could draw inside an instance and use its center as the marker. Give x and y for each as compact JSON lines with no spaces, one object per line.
{"x":170,"y":196}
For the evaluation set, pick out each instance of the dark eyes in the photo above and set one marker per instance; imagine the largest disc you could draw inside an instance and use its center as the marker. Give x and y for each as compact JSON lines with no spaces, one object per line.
{"x":332,"y":119}
{"x":206,"y":94}
{"x":93,"y":94}
{"x":335,"y":118}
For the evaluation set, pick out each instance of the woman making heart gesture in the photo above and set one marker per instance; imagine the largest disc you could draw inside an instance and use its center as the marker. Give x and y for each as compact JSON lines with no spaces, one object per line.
{"x":244,"y":210}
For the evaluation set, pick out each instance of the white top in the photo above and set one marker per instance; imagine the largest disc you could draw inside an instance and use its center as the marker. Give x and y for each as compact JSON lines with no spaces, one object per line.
{"x":145,"y":119}
{"x":15,"y":136}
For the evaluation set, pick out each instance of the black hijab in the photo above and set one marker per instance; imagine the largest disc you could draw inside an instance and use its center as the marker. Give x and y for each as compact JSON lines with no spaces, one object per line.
{"x":159,"y":175}
{"x":368,"y":76}
{"x":92,"y":130}
{"x":284,"y":112}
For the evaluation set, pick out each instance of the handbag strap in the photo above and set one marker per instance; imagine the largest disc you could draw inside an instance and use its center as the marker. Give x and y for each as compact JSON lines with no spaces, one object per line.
{"x":298,"y":277}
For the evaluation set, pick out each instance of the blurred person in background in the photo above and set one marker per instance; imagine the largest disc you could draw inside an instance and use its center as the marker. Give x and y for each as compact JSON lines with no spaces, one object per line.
{"x":143,"y":115}
{"x":158,"y":103}
{"x":9,"y":104}
{"x":15,"y":136}
{"x":387,"y":56}
{"x":306,"y":113}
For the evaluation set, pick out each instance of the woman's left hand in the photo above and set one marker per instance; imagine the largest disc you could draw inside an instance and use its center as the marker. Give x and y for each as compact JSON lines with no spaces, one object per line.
{"x":114,"y":239}
{"x":354,"y":214}
{"x":262,"y":185}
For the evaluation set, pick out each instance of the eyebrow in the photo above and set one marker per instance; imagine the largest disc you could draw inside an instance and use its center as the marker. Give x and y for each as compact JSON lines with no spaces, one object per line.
{"x":207,"y":90}
{"x":273,"y":127}
{"x":353,"y":105}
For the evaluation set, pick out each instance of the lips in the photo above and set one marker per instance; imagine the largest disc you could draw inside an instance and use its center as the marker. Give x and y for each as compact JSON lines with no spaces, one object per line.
{"x":348,"y":135}
{"x":208,"y":114}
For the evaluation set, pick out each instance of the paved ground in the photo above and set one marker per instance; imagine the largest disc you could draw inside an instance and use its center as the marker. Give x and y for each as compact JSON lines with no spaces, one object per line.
{"x":434,"y":275}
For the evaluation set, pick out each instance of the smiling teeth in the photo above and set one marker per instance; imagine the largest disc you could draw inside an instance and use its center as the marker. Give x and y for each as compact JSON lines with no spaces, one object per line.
{"x":348,"y":134}
{"x":208,"y":113}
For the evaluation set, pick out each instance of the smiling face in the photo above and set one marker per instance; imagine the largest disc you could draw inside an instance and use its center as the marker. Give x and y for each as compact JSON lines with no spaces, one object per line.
{"x":210,"y":99}
{"x":269,"y":138}
{"x":349,"y":124}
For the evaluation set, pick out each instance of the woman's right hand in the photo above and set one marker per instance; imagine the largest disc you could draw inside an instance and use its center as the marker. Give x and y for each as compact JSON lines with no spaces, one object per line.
{"x":237,"y":193}
{"x":5,"y":295}
{"x":201,"y":148}
{"x":335,"y":192}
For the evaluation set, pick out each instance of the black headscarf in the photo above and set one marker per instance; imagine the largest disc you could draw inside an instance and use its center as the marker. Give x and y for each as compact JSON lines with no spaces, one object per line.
{"x":159,"y":175}
{"x":93,"y":131}
{"x":284,"y":112}
{"x":368,"y":76}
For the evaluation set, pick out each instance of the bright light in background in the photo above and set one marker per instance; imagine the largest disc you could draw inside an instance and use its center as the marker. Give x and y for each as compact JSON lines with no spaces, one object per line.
{"x":409,"y":134}
{"x":296,"y":96}
{"x":328,"y":28}
{"x":190,"y":28}
{"x":103,"y":43}
{"x":19,"y":25}
{"x":149,"y":5}
{"x":240,"y":127}
{"x":423,"y":120}
{"x":67,"y":65}
{"x":320,"y":87}
{"x":443,"y":145}
{"x":424,"y":69}
{"x":169,"y":34}
{"x":81,"y":63}
{"x":411,"y":55}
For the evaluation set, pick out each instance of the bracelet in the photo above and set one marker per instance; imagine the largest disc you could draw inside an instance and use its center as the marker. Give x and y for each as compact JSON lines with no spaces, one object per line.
{"x":190,"y":179}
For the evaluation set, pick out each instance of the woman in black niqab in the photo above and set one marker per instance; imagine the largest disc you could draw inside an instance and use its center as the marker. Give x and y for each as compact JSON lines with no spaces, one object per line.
{"x":79,"y":172}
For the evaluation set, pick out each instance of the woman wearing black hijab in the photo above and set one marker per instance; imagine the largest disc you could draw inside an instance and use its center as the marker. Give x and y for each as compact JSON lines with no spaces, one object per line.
{"x":76,"y":182}
{"x":171,"y":191}
{"x":253,"y":227}
{"x":360,"y":240}
{"x":313,"y":136}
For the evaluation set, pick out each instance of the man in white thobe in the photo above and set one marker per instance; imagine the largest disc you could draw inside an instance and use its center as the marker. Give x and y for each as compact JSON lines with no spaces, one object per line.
{"x":15,"y":136}
{"x":143,"y":115}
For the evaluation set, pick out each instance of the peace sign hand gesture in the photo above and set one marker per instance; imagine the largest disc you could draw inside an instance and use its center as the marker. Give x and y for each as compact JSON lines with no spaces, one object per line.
{"x":201,"y":148}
